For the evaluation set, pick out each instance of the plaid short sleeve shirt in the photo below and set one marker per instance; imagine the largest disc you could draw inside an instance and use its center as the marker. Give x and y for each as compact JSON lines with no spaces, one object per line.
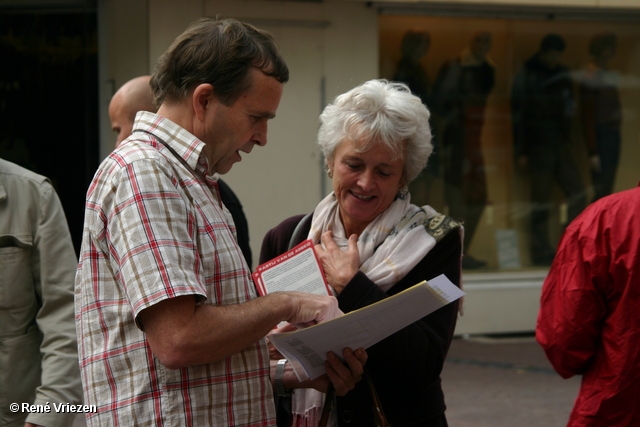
{"x":155,"y":229}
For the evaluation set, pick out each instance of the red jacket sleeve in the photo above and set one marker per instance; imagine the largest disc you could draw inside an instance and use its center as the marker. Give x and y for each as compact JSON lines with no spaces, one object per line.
{"x":573,"y":305}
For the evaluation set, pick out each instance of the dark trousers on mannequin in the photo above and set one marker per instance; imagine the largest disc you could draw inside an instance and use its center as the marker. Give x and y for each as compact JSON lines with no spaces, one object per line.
{"x":464,"y":172}
{"x":608,"y":148}
{"x":552,"y":163}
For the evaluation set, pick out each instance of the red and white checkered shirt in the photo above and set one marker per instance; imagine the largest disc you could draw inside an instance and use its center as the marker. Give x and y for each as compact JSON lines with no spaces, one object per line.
{"x":154,"y":229}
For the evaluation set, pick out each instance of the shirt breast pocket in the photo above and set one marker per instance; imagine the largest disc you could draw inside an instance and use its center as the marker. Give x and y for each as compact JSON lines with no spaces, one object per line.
{"x":16,"y":278}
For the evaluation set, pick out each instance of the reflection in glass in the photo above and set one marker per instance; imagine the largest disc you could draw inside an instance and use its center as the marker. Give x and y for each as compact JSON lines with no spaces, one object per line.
{"x":601,"y":113}
{"x":563,"y":122}
{"x":460,"y":97}
{"x":415,"y":45}
{"x":410,"y":71}
{"x":542,"y":109}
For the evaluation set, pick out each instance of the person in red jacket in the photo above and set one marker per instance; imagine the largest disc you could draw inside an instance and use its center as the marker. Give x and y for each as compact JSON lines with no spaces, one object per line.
{"x":589,"y":319}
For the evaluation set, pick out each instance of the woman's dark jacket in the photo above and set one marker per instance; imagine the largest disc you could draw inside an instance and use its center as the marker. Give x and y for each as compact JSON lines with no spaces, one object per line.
{"x":406,"y":366}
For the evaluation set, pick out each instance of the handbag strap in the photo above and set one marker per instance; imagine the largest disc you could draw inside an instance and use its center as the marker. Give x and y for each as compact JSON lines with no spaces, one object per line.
{"x":379,"y":418}
{"x":327,"y":407}
{"x":296,"y":232}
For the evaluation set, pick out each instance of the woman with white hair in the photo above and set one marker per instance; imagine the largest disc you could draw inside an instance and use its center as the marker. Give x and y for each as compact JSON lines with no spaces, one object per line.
{"x":373,"y":243}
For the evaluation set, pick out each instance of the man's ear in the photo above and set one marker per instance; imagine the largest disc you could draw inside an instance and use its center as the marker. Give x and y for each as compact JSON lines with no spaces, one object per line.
{"x":202,"y":98}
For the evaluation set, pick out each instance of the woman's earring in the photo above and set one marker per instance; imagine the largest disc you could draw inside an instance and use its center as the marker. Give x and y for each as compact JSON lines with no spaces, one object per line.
{"x":403,"y":192}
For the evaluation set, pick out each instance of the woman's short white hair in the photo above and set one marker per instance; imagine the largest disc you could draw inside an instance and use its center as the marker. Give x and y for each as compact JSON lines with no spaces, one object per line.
{"x":379,"y":111}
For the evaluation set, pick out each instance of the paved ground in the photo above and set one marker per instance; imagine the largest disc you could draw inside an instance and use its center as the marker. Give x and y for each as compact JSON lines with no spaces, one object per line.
{"x":504,"y":382}
{"x":501,"y":382}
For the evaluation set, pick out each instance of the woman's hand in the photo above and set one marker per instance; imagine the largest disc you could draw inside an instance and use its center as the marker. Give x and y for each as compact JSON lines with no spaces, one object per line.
{"x":339,"y":267}
{"x":343,"y":376}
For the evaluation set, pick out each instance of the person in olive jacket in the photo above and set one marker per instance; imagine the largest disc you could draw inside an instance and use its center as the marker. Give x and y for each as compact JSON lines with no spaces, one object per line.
{"x":39,"y":359}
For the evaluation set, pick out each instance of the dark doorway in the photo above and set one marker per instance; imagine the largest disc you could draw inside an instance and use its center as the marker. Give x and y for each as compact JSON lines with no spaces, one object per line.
{"x":49,"y":99}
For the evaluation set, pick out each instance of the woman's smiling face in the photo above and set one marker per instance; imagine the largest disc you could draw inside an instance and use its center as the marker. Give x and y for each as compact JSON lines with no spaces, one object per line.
{"x":364,"y":183}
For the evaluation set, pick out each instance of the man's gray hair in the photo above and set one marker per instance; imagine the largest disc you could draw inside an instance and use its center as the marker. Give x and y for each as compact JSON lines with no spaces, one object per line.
{"x":379,"y":111}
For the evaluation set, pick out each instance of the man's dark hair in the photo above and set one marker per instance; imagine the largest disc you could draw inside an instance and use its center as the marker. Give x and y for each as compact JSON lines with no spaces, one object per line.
{"x":552,"y":42}
{"x":219,"y":52}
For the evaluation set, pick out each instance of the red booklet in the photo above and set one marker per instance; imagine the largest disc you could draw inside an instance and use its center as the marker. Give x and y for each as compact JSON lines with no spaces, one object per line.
{"x":296,"y":270}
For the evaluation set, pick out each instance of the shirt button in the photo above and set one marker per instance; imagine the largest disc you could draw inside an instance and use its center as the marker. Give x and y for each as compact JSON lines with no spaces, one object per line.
{"x":348,"y":416}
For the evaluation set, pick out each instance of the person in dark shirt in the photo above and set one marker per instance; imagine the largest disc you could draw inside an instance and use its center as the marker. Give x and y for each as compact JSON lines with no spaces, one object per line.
{"x":415,"y":45}
{"x":542,"y":107}
{"x":460,"y":92}
{"x":601,"y":114}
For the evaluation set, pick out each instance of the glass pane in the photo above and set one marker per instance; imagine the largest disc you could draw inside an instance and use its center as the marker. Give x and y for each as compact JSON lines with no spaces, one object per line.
{"x":532,"y":120}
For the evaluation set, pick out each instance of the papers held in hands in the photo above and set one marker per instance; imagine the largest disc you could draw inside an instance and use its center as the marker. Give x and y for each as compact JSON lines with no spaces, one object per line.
{"x":296,"y":270}
{"x":306,"y":349}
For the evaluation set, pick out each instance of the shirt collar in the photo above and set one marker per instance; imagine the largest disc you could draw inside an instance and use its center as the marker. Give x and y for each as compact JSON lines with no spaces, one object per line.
{"x":185,"y":144}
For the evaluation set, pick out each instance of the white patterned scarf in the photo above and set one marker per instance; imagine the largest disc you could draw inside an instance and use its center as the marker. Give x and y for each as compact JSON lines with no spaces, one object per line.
{"x":390,"y":247}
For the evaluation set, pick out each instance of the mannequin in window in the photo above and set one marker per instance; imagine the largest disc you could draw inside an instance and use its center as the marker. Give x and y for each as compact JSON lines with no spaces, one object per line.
{"x":410,"y":71}
{"x":415,"y":45}
{"x":460,"y":91}
{"x":542,"y":107}
{"x":601,"y":114}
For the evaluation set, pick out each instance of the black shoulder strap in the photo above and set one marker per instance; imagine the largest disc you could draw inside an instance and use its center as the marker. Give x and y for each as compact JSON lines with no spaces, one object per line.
{"x":296,"y":232}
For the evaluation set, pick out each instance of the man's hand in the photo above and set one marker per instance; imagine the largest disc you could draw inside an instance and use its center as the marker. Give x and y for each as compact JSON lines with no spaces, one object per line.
{"x":310,"y":309}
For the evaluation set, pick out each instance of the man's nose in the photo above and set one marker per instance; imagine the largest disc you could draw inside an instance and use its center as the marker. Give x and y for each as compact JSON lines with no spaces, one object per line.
{"x":260,"y":136}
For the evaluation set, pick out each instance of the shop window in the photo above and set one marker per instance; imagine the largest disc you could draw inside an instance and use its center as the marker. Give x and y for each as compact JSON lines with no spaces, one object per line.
{"x":532,"y":121}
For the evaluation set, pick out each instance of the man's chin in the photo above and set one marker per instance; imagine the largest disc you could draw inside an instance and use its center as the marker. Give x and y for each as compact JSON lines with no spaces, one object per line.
{"x":224,"y":168}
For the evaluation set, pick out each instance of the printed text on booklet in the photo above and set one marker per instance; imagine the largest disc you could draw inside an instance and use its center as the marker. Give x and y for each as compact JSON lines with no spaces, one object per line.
{"x":296,"y":270}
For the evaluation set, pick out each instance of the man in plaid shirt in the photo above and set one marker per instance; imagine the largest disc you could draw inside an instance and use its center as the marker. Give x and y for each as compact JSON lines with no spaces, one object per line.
{"x":170,"y":330}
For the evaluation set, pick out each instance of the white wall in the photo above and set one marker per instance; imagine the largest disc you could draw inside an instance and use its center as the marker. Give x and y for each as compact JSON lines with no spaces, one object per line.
{"x":123,"y":53}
